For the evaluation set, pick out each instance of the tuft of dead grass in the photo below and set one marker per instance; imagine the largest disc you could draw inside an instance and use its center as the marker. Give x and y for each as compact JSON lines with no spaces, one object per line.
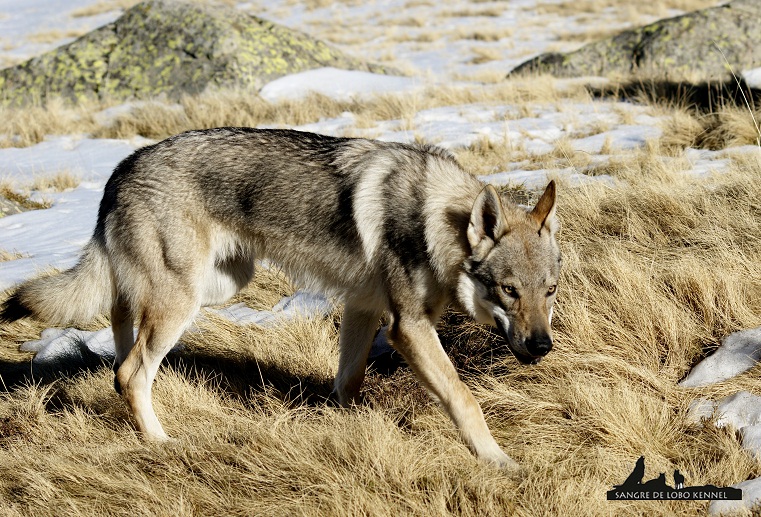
{"x":54,"y":35}
{"x":731,"y":126}
{"x":103,"y":7}
{"x":58,"y":182}
{"x":728,"y":126}
{"x":23,"y":127}
{"x":21,"y":196}
{"x":485,"y":55}
{"x":6,"y":255}
{"x":487,"y":156}
{"x":681,"y":129}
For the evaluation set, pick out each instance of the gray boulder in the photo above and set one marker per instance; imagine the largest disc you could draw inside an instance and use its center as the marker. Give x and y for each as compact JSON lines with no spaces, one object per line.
{"x":680,"y":48}
{"x":171,"y":48}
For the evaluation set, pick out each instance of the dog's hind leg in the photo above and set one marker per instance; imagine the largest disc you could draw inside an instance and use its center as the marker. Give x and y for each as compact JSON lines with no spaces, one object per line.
{"x":358,"y":327}
{"x":161,"y":325}
{"x":124,"y":337}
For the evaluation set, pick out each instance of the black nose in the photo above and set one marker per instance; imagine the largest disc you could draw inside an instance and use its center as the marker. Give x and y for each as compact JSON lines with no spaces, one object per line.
{"x":539,"y":346}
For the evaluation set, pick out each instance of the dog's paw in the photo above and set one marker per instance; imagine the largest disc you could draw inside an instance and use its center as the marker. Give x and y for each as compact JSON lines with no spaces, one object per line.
{"x":505,"y":463}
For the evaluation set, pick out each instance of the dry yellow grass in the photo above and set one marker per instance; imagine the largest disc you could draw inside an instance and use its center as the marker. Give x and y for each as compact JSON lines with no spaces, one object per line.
{"x":113,"y":5}
{"x":623,"y":8}
{"x":103,"y":7}
{"x":485,"y":55}
{"x":487,"y":156}
{"x":727,"y":126}
{"x":58,"y":182}
{"x":655,"y":273}
{"x":27,"y":126}
{"x":54,"y":35}
{"x":156,"y":119}
{"x":6,"y":255}
{"x":589,"y":35}
{"x":681,"y":129}
{"x":21,"y":195}
{"x":731,"y":126}
{"x":493,"y":10}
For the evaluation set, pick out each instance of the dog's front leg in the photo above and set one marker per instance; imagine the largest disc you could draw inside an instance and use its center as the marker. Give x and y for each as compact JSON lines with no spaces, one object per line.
{"x":416,"y":339}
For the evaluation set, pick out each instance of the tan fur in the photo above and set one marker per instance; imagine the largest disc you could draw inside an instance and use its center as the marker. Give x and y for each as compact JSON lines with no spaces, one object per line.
{"x":392,"y":228}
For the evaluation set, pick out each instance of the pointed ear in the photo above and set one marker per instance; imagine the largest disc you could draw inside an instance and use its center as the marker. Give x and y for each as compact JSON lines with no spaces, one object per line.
{"x":544,"y":211}
{"x":487,"y":222}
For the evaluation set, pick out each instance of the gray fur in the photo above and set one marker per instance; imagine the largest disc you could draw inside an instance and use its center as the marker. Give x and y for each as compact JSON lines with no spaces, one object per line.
{"x":388,"y":227}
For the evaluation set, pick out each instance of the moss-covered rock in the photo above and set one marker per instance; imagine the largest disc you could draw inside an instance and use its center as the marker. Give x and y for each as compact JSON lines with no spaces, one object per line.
{"x":168,"y":47}
{"x":684,"y":47}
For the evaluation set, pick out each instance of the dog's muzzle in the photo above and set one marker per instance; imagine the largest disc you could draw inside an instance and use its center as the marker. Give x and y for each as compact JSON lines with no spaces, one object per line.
{"x":535,"y":349}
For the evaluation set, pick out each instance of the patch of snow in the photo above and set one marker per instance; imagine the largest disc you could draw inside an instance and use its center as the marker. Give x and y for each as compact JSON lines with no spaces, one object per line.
{"x":534,"y":179}
{"x":94,"y":159}
{"x":738,"y":352}
{"x":19,"y":20}
{"x":56,"y":344}
{"x":752,"y":77}
{"x":49,"y":238}
{"x":751,"y":497}
{"x":751,"y":440}
{"x":302,"y":303}
{"x":740,"y":412}
{"x":336,"y":84}
{"x":54,"y":237}
{"x":622,"y":137}
{"x":335,"y":126}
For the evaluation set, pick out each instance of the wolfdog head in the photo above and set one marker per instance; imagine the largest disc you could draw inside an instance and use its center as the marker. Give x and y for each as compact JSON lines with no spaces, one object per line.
{"x":510,"y":278}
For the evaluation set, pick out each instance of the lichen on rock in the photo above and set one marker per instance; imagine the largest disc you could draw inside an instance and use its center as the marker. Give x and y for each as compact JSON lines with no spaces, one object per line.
{"x":170,"y":48}
{"x":697,"y":46}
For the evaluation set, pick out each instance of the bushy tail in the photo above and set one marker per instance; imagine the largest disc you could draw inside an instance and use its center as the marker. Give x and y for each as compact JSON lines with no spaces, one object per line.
{"x":77,"y":294}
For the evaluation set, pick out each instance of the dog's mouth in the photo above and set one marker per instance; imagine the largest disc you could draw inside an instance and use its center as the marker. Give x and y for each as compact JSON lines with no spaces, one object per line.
{"x":520,"y":356}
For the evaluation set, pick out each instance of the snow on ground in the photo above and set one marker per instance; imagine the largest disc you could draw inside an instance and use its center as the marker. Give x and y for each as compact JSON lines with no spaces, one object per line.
{"x":32,"y":27}
{"x":443,"y":39}
{"x":538,"y":178}
{"x":54,"y":237}
{"x":751,"y":496}
{"x":336,"y":83}
{"x":738,"y":352}
{"x":89,"y":158}
{"x":752,"y":77}
{"x":741,"y":413}
{"x":56,"y":344}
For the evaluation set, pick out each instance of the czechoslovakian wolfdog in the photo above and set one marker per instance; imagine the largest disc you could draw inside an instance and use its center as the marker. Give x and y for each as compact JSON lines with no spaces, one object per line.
{"x":388,"y":227}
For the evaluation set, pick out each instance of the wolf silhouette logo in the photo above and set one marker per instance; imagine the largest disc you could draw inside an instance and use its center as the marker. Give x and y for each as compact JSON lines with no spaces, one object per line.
{"x":633,"y":488}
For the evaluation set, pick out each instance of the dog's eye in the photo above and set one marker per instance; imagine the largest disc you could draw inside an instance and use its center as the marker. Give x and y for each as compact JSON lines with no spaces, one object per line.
{"x":510,"y":291}
{"x":552,"y":290}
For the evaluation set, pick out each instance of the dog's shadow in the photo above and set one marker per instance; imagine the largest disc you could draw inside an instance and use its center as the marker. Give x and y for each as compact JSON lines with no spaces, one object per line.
{"x":472,"y":349}
{"x":237,"y":376}
{"x":240,"y":376}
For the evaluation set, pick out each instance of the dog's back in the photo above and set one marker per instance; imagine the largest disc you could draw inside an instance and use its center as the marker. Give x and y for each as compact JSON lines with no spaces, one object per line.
{"x":324,"y":208}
